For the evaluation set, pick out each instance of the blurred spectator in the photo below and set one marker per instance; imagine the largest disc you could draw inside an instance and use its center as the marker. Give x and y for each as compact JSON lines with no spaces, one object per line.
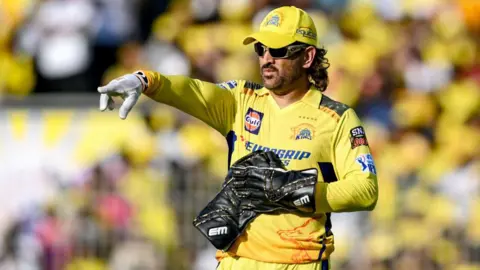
{"x":116,"y":23}
{"x":20,"y":248}
{"x":58,"y":35}
{"x":53,"y":240}
{"x":129,"y":60}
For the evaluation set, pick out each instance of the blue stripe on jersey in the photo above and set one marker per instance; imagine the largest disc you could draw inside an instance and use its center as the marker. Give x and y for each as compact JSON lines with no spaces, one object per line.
{"x":325,"y":265}
{"x":231,"y":139}
{"x":328,"y":174}
{"x":328,"y":228}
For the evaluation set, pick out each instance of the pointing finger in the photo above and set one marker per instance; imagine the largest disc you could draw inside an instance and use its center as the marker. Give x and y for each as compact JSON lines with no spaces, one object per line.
{"x":127,"y":105}
{"x":104,"y":100}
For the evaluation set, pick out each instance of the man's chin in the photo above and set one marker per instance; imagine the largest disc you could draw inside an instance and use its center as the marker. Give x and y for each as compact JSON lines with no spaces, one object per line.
{"x":274,"y":88}
{"x":270,"y":84}
{"x":277,"y":88}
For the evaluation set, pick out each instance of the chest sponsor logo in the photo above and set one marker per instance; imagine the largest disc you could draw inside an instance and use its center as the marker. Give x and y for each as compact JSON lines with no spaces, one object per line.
{"x":253,"y":121}
{"x":303,"y":132}
{"x":358,"y":137}
{"x":286,"y":155}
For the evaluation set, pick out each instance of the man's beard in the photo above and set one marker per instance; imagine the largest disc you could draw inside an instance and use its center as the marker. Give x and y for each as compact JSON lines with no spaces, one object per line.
{"x":280,"y":81}
{"x":275,"y":84}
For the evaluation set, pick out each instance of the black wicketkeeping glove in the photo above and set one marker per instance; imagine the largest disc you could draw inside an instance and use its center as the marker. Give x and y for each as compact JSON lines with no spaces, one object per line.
{"x":267,"y":189}
{"x":223,"y":220}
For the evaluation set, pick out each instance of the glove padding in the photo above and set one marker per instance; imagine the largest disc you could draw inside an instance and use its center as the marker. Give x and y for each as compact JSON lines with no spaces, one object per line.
{"x":256,"y":183}
{"x":265,"y":189}
{"x":223,"y":220}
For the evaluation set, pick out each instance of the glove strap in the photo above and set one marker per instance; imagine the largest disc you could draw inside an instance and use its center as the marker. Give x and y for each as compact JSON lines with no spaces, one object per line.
{"x":143,"y":78}
{"x":304,"y":197}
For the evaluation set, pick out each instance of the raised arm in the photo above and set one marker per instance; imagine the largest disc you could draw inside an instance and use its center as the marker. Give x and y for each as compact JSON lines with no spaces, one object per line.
{"x":211,"y":103}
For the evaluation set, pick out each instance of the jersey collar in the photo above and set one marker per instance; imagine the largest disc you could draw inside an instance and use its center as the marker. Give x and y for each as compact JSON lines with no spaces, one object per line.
{"x":262,"y":91}
{"x":313,"y":97}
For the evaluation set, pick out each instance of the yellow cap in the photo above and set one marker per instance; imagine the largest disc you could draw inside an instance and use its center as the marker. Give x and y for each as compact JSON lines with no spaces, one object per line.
{"x":284,"y":26}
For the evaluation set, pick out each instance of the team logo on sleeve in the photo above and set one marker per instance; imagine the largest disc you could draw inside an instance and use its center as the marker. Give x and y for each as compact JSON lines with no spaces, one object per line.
{"x":366,"y":161}
{"x":303,"y":132}
{"x":253,"y":121}
{"x":228,"y":85}
{"x":358,"y":137}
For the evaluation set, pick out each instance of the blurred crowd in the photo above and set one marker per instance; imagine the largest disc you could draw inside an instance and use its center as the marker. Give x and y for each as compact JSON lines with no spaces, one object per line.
{"x":410,"y":69}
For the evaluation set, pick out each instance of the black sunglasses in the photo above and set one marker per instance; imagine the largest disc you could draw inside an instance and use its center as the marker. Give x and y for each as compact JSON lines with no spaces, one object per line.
{"x":284,"y":52}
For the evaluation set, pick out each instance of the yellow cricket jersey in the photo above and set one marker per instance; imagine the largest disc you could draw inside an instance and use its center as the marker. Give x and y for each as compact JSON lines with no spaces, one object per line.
{"x":314,"y":132}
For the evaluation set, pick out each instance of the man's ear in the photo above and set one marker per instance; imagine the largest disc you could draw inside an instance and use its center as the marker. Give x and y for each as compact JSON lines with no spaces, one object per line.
{"x":309,"y":56}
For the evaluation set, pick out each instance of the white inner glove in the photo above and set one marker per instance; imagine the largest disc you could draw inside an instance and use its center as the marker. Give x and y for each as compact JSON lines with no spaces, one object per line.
{"x":129,"y":87}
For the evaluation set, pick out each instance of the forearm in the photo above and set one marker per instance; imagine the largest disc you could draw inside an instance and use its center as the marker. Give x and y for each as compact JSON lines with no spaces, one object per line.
{"x":172,"y":90}
{"x":203,"y":100}
{"x":348,"y":195}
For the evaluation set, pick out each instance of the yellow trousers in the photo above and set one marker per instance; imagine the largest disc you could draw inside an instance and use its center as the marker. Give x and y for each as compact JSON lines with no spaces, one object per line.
{"x":230,"y":263}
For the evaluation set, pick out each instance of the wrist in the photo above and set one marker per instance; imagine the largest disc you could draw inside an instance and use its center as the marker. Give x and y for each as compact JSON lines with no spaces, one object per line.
{"x":143,"y":79}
